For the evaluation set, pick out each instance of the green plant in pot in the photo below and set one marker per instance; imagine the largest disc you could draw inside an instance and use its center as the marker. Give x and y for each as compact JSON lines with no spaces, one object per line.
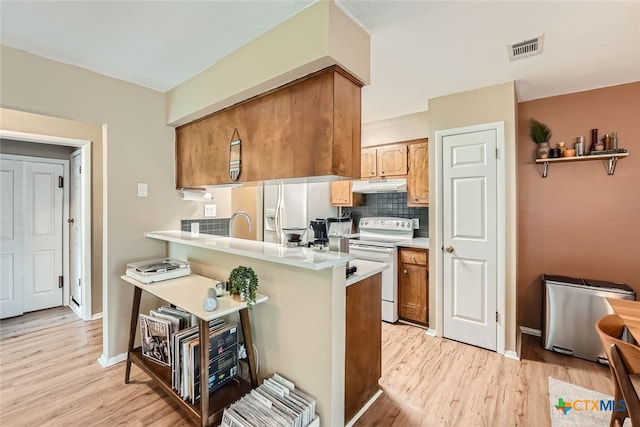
{"x":540,"y":133}
{"x":243,"y":281}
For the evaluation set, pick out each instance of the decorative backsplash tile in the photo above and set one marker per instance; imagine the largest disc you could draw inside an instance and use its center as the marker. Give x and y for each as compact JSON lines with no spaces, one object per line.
{"x":218,"y":226}
{"x":390,"y":204}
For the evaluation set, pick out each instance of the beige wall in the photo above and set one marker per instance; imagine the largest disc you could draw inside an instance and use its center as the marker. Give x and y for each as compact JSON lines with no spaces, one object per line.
{"x":402,"y":128}
{"x":136,"y":146}
{"x":578,"y":221}
{"x":315,"y":38}
{"x":492,"y":104}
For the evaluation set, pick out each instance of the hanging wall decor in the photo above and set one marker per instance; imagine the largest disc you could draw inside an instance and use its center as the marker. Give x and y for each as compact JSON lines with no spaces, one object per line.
{"x":235,"y":156}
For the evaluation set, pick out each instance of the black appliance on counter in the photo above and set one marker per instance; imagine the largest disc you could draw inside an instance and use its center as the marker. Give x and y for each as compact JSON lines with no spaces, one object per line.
{"x":319,"y":227}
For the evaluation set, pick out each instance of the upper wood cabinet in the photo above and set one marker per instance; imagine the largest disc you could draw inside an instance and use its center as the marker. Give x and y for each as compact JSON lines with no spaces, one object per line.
{"x":384,"y":161}
{"x":341,"y":194}
{"x":418,"y":176}
{"x":309,"y":127}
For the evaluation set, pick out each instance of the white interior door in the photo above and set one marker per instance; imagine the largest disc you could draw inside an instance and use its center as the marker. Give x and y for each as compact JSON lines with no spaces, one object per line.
{"x":470,"y":237}
{"x":11,"y":239}
{"x":42,"y":235}
{"x":75,"y":232}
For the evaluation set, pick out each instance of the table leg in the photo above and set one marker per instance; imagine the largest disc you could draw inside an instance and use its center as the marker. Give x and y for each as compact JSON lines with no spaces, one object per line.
{"x":135,"y":309}
{"x":204,"y":372}
{"x":248,"y":343}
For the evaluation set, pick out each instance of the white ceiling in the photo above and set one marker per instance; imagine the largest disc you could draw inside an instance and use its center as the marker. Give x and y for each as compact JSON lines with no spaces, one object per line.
{"x":419,"y":49}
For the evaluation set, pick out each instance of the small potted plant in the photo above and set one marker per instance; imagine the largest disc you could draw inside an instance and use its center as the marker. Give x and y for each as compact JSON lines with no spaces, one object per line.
{"x":540,"y":133}
{"x":243,"y":281}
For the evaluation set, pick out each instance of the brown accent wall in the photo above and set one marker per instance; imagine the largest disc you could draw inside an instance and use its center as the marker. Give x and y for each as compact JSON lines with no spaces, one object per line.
{"x":578,"y":221}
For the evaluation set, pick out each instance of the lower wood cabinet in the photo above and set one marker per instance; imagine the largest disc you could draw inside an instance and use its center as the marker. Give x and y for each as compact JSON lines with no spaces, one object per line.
{"x":341,"y":194}
{"x":413,"y":285}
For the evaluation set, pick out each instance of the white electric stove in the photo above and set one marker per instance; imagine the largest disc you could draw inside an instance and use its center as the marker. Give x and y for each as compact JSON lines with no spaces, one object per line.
{"x":377,"y":242}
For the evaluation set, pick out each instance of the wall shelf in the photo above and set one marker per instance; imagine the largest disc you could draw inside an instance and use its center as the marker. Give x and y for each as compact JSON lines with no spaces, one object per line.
{"x":611,"y":160}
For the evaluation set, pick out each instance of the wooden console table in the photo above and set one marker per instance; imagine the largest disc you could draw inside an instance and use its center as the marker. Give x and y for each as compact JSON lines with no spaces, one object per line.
{"x":629,"y":311}
{"x":188,"y":293}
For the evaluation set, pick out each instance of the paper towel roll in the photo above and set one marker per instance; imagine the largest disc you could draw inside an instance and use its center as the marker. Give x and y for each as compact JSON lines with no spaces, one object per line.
{"x":197,"y":195}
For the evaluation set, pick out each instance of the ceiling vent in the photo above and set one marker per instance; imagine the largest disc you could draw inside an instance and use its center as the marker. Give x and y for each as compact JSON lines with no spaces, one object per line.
{"x":526,"y":48}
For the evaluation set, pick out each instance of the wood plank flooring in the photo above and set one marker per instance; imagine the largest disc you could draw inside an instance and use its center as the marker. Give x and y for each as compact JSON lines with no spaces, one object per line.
{"x":49,"y":376}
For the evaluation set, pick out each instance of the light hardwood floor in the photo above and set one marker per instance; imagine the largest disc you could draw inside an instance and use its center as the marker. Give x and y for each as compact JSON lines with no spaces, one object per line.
{"x":49,"y":376}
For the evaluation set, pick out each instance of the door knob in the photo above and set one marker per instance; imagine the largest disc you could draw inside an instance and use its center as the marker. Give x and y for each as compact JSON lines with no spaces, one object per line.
{"x":405,"y":271}
{"x":449,"y":249}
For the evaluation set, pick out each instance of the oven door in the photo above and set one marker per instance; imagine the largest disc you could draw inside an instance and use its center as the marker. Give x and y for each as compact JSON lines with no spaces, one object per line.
{"x":389,"y":276}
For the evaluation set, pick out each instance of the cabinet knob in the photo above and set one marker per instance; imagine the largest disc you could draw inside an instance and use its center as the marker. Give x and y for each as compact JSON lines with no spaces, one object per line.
{"x":404,"y":271}
{"x":449,"y":249}
{"x":371,"y":173}
{"x":415,"y":199}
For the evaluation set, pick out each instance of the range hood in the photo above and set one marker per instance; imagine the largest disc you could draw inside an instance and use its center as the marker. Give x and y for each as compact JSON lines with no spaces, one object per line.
{"x":380,"y":186}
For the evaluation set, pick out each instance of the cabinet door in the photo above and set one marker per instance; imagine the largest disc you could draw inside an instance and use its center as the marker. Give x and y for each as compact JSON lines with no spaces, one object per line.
{"x":418,"y":176}
{"x":341,"y":194}
{"x":368,"y":165}
{"x":392,"y":160}
{"x":412,"y":293}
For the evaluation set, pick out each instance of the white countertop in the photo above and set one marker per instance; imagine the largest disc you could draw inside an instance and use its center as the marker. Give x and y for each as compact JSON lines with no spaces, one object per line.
{"x":365,"y":269}
{"x":418,"y":242}
{"x":189,"y":292}
{"x":312,"y":259}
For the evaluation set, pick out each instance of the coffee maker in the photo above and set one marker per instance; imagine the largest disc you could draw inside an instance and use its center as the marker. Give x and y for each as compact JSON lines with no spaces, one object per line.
{"x":319,"y":227}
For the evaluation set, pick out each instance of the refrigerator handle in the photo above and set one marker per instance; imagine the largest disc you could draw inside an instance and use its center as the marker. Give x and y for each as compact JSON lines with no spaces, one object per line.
{"x":279,"y":213}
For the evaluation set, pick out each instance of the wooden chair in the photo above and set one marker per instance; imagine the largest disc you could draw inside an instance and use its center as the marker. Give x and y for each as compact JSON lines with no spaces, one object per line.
{"x":624,"y":361}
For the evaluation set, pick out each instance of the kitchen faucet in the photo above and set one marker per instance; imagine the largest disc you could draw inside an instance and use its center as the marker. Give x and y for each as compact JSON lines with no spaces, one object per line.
{"x":239,"y":213}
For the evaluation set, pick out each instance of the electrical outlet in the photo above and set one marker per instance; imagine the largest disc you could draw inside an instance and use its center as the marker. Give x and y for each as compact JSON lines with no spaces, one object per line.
{"x":209,"y":210}
{"x":416,"y":223}
{"x":195,"y":227}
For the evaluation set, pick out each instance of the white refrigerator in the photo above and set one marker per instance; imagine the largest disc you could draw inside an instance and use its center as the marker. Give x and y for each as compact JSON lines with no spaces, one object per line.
{"x":294,"y":205}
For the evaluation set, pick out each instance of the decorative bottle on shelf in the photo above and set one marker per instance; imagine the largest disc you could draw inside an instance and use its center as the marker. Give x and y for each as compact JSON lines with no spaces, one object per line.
{"x":614,"y":140}
{"x":607,"y":142}
{"x":594,"y":140}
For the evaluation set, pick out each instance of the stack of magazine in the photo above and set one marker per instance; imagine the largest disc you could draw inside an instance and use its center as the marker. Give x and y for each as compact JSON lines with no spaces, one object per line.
{"x":277,"y":402}
{"x":170,"y":337}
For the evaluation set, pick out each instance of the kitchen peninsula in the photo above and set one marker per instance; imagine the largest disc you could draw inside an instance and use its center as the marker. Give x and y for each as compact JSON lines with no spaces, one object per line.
{"x":318,"y":328}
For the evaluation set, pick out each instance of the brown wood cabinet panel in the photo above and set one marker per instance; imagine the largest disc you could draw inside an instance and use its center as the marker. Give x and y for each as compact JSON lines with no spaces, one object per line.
{"x":392,"y":160}
{"x":310,"y":127}
{"x":413,"y":285}
{"x":411,"y":256}
{"x":363,"y":343}
{"x":418,"y":175}
{"x":369,"y":165}
{"x":341,"y":194}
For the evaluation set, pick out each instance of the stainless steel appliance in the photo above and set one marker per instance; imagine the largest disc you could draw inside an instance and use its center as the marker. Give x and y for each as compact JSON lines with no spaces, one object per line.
{"x":571,"y":308}
{"x":377,"y":242}
{"x":292,"y":205}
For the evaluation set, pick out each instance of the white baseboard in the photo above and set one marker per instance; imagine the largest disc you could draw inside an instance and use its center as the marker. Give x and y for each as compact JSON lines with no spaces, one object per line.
{"x":431,"y":332}
{"x":531,"y":331}
{"x":364,"y":409}
{"x":96,"y":316}
{"x":106,"y":362}
{"x":510,"y":354}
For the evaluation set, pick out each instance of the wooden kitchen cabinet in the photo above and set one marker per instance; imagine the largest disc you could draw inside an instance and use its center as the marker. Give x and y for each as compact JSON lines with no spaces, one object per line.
{"x":384,"y":161}
{"x":341,"y":194}
{"x":418,"y":175}
{"x":309,"y":127}
{"x":413,"y":285}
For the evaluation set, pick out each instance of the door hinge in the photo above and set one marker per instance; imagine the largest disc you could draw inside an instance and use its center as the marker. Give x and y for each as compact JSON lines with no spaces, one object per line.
{"x":497,"y":153}
{"x":496,"y":317}
{"x":60,"y":182}
{"x":80,"y":169}
{"x":60,"y":281}
{"x":79,"y":282}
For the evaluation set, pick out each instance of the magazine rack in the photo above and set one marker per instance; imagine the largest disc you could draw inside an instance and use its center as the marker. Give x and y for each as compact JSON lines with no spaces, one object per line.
{"x":188,"y":293}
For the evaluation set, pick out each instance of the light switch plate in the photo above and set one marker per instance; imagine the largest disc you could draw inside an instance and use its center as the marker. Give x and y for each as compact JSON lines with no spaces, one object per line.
{"x":142,"y":189}
{"x":209,"y":210}
{"x":416,"y":223}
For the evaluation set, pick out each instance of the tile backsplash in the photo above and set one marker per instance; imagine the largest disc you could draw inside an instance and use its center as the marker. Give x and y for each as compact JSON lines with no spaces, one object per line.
{"x":390,"y":204}
{"x":218,"y":226}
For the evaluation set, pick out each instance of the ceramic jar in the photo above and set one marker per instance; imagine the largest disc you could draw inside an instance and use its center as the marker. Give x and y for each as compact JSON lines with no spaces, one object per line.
{"x":543,"y":150}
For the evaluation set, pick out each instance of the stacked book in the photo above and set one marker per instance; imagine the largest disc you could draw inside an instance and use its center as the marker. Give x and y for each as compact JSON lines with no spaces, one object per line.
{"x":277,"y":402}
{"x":170,"y":337}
